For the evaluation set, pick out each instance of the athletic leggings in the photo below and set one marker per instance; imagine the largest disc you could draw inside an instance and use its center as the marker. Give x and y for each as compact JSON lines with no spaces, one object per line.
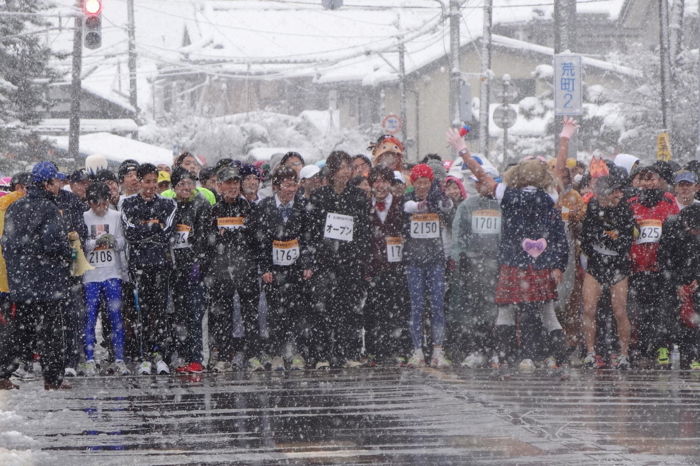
{"x":111,"y":291}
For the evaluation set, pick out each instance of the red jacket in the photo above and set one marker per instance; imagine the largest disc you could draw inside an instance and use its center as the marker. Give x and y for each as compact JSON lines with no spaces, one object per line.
{"x":650,"y":221}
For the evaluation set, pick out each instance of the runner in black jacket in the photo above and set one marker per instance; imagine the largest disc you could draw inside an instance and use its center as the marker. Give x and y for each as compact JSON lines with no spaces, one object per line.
{"x":233,"y":251}
{"x":286,"y":262}
{"x":148,"y":226}
{"x":190,"y":241}
{"x":342,"y":237}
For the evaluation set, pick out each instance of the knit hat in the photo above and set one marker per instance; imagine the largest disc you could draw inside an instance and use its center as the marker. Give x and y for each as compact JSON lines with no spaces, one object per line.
{"x":248,"y":169}
{"x":422,"y":171}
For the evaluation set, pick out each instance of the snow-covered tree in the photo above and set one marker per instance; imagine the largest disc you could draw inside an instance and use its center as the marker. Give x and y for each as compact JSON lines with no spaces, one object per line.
{"x":24,"y":77}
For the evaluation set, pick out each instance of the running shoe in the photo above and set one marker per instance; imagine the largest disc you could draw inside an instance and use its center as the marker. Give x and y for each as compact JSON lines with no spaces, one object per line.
{"x":325,"y":365}
{"x":255,"y":365}
{"x":417,"y":359}
{"x":222,"y":366}
{"x":277,"y":364}
{"x":474,"y":360}
{"x":145,"y":368}
{"x":526,"y":365}
{"x":89,"y":368}
{"x":190,"y":368}
{"x":120,"y":368}
{"x":662,"y":359}
{"x":695,"y":365}
{"x":352,"y":364}
{"x":551,"y":363}
{"x":439,"y":360}
{"x":297,"y":363}
{"x":266,"y":361}
{"x":162,"y":368}
{"x":622,"y":363}
{"x":6,"y":384}
{"x":593,"y":361}
{"x":70,"y":372}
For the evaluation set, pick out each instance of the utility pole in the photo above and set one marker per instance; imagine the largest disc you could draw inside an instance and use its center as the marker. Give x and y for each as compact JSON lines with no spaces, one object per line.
{"x":402,"y":88}
{"x":485,"y":80}
{"x":676,"y":30}
{"x":76,"y":86}
{"x":133,"y":93}
{"x":665,"y":65}
{"x":455,"y":72}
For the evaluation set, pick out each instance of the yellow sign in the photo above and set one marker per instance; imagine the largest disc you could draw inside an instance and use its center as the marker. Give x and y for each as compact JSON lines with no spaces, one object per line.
{"x":663,"y":147}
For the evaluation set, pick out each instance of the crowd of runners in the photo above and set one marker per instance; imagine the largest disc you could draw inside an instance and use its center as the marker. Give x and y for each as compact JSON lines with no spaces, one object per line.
{"x":352,"y":261}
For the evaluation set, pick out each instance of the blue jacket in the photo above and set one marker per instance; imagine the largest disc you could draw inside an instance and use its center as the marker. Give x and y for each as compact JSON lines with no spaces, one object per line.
{"x":531,"y":214}
{"x":36,"y":248}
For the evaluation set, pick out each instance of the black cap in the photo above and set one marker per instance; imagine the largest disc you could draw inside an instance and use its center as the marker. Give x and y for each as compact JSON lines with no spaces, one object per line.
{"x":228,"y":173}
{"x":179,"y":174}
{"x":105,"y":175}
{"x":126,"y":166}
{"x":248,"y":169}
{"x":79,"y":175}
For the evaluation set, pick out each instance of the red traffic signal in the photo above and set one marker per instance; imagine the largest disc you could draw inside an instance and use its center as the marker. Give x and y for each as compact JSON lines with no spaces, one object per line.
{"x":92,"y":7}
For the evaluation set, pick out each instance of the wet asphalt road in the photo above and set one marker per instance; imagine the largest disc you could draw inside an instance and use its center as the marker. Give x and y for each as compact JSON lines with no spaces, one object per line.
{"x":379,"y":415}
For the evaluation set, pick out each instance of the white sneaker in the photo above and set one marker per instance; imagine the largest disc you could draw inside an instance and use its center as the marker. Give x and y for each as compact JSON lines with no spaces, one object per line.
{"x":36,"y":368}
{"x":297,"y":364}
{"x":22,"y":373}
{"x":474,"y":360}
{"x":70,"y":372}
{"x":526,"y":365}
{"x":89,"y":368}
{"x":551,"y":363}
{"x":145,"y":368}
{"x":222,"y":366}
{"x":120,"y":368}
{"x":439,"y":359}
{"x":277,"y":364}
{"x":323,"y":365}
{"x":352,"y":364}
{"x":417,"y":359}
{"x":162,"y":368}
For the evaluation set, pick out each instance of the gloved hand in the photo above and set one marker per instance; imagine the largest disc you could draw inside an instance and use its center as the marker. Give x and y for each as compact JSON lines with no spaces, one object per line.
{"x":106,"y":241}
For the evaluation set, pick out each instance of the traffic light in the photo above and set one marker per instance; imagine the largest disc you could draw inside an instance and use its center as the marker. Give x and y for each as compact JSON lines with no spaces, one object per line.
{"x":92,"y":23}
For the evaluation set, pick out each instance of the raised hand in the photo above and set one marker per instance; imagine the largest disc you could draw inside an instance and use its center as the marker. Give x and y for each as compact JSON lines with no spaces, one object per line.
{"x":569,"y":128}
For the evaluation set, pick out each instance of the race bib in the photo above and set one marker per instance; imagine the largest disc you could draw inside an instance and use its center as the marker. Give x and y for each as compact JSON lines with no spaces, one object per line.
{"x":230,"y":223}
{"x":486,"y":222}
{"x":285,"y":252}
{"x":394,"y":248}
{"x":425,"y":226}
{"x":649,"y":231}
{"x":182,"y":236}
{"x":100,"y":258}
{"x":339,"y":227}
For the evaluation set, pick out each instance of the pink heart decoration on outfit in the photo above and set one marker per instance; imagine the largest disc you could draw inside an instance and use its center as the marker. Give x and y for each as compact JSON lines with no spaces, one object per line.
{"x":534,"y":247}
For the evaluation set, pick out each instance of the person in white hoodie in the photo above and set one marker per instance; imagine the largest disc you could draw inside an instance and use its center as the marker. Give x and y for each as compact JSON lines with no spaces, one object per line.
{"x":103,"y":246}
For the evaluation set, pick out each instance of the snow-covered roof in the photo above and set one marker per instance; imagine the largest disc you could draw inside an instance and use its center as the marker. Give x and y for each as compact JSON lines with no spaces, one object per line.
{"x":87,"y":125}
{"x":277,"y":38}
{"x":116,"y":149}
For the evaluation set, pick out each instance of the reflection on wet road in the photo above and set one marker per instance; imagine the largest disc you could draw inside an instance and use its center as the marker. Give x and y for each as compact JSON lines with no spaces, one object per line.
{"x":380,"y":415}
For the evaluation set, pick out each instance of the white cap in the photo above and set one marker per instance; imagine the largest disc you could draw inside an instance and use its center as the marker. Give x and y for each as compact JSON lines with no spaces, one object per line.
{"x":626,"y":161}
{"x":309,"y":171}
{"x":399,"y":176}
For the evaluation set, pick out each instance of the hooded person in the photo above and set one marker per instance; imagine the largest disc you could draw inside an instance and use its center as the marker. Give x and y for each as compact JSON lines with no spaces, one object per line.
{"x":627,"y":162}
